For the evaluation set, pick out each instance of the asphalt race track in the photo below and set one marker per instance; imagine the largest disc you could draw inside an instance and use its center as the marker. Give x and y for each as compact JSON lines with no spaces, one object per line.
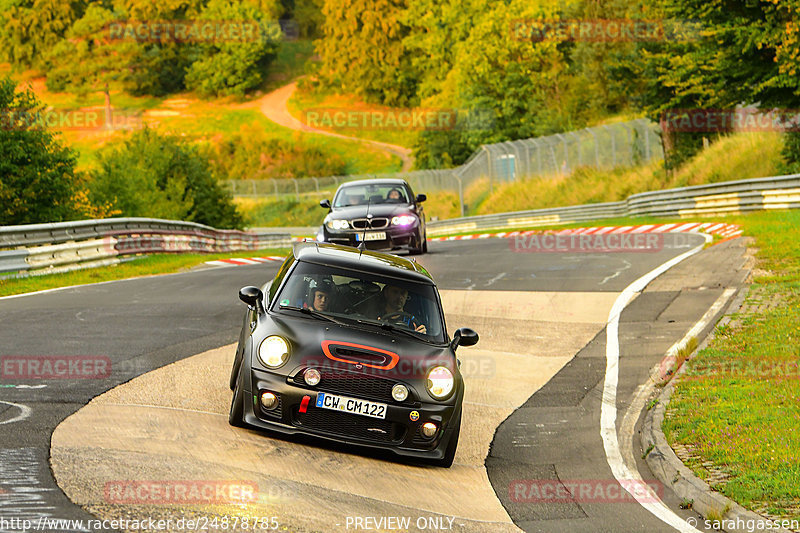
{"x":535,"y":392}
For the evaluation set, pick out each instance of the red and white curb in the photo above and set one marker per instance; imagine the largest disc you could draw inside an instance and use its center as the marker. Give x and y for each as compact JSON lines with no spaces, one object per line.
{"x":239,"y":261}
{"x":723,"y":230}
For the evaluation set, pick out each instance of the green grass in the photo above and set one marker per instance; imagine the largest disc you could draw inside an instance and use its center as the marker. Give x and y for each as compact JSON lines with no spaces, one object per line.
{"x":738,"y":156}
{"x":738,"y":404}
{"x":290,"y":63}
{"x":306,"y":99}
{"x":141,"y":266}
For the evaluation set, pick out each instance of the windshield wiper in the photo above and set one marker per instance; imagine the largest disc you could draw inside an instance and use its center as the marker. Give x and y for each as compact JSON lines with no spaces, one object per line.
{"x":391,"y":327}
{"x":311,"y":312}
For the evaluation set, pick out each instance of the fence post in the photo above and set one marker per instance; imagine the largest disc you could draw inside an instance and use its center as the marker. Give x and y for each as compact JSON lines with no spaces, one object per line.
{"x":565,"y":168}
{"x":275,"y":183}
{"x":316,"y":184}
{"x":596,"y":147}
{"x":490,"y":165}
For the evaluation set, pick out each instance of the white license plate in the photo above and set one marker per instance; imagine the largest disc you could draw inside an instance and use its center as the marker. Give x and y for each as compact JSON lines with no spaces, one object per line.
{"x":372,"y":236}
{"x":351,"y":405}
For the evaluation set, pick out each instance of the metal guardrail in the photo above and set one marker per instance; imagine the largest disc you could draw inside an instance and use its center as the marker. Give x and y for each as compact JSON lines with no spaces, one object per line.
{"x":50,"y":248}
{"x":780,"y":192}
{"x":44,"y":248}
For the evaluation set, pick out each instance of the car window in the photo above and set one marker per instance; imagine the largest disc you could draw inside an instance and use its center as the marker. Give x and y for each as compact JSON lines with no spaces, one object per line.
{"x":374,"y":193}
{"x":355,"y":296}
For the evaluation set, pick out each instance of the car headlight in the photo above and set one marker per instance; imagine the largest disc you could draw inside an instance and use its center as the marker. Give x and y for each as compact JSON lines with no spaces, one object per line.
{"x":338,"y":224}
{"x":440,"y":382}
{"x":403,"y":220}
{"x":273,"y":352}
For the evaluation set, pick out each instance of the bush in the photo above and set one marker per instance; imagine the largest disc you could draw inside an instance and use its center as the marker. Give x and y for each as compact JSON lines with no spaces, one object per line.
{"x":251,"y":154}
{"x":161,"y":176}
{"x":37,"y":176}
{"x":232,"y":68}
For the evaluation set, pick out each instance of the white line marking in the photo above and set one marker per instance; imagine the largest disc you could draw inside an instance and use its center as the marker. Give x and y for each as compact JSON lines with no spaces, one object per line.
{"x":24,"y":413}
{"x":608,"y":409}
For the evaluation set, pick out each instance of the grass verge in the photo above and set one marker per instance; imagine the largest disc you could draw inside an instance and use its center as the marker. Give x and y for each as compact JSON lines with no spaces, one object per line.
{"x":736,"y":410}
{"x":141,"y":266}
{"x":310,"y":107}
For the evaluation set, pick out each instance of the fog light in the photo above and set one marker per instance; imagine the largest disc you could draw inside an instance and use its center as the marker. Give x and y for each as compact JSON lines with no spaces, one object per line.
{"x":312,"y":377}
{"x":400,"y":392}
{"x":268,"y":400}
{"x":429,"y":429}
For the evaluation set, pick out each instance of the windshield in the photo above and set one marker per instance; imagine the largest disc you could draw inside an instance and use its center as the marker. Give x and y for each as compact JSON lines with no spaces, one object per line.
{"x":363,"y":298}
{"x":374,"y":193}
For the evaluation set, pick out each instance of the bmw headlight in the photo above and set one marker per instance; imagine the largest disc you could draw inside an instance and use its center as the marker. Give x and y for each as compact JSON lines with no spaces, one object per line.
{"x":403,"y":220}
{"x":440,"y":382}
{"x":273,"y":352}
{"x":338,"y":224}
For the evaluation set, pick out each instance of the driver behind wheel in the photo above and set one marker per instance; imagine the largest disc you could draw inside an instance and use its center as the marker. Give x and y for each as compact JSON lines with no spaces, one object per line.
{"x":393,"y":308}
{"x":320,"y":296}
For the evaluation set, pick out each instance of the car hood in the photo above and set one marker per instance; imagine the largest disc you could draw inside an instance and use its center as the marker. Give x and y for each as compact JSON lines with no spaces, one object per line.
{"x":379,"y":353}
{"x":376,"y":210}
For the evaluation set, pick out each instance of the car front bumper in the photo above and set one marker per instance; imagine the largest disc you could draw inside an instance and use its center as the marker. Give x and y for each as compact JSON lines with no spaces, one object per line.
{"x":396,"y":237}
{"x":397,"y":433}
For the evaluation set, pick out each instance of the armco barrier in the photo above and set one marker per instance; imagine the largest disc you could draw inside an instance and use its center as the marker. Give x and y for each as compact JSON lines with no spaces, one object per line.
{"x":781,"y":192}
{"x":71,"y":245}
{"x":39,"y":248}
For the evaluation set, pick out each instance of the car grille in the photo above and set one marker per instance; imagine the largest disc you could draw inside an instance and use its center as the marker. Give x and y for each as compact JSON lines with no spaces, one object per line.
{"x":367,"y":223}
{"x":356,"y":384}
{"x":349,"y":425}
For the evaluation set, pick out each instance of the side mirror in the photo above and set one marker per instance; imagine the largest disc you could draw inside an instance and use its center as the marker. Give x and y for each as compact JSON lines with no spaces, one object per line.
{"x":421,"y":198}
{"x":253,"y":297}
{"x":464,"y":337}
{"x":325,"y":203}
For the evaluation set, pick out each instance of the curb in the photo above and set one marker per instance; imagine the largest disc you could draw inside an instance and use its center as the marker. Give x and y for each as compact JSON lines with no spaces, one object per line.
{"x":670,"y":470}
{"x":721,"y":229}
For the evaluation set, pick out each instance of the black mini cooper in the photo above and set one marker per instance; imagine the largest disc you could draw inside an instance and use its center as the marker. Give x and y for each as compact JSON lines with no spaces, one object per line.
{"x":384,"y":214}
{"x":350,"y":345}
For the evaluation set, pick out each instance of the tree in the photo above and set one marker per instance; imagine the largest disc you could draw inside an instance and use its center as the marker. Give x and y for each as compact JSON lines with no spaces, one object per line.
{"x":37,"y":178}
{"x":738,"y":53}
{"x":30,"y":28}
{"x":234,"y":67}
{"x":362,"y":50}
{"x":161,"y":176}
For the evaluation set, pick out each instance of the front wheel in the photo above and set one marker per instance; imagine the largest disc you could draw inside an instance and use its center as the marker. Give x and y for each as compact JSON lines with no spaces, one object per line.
{"x":420,"y":246}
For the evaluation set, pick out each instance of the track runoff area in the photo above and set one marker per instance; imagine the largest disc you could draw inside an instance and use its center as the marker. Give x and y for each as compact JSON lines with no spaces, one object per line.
{"x":568,"y":342}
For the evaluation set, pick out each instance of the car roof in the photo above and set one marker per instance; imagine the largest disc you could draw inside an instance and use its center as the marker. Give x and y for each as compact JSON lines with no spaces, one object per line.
{"x":365,"y":261}
{"x":376,"y":181}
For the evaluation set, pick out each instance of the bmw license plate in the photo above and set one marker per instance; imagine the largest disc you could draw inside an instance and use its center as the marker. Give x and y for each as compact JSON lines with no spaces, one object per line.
{"x":371,"y":236}
{"x":351,"y":405}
